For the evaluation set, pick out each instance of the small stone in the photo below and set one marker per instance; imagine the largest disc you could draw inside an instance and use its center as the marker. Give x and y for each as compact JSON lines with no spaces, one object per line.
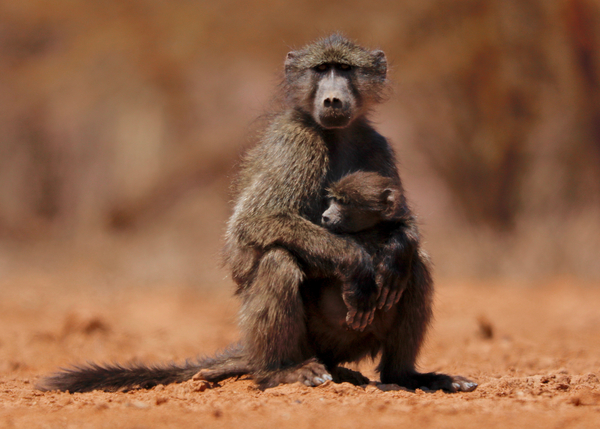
{"x":161,"y":400}
{"x":200,"y":386}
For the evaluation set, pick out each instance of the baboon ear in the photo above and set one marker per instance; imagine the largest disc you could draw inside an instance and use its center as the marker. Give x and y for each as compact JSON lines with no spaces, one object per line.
{"x":289,"y":59}
{"x":388,"y":197}
{"x":380,"y":61}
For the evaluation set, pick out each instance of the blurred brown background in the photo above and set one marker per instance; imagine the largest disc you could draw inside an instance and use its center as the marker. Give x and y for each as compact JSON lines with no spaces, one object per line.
{"x":121,"y":122}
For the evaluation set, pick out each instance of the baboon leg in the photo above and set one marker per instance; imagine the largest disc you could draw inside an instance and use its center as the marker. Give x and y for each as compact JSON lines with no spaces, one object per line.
{"x":273,"y":324}
{"x":403,"y":343}
{"x":402,"y":346}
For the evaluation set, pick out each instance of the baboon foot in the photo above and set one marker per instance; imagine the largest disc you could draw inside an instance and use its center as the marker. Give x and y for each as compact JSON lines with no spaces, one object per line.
{"x":461,"y":384}
{"x":311,"y":373}
{"x":341,"y":375}
{"x":432,"y":381}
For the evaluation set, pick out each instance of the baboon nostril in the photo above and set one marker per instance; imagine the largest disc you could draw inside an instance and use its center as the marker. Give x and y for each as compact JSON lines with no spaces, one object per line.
{"x":325,"y":219}
{"x":335,"y":103}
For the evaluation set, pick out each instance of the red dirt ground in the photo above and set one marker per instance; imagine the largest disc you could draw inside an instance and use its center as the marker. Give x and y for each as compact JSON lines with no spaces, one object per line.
{"x":534,"y":349}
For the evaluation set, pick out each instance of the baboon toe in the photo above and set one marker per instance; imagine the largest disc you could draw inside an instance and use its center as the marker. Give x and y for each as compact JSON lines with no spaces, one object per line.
{"x":462,"y":384}
{"x":311,"y":374}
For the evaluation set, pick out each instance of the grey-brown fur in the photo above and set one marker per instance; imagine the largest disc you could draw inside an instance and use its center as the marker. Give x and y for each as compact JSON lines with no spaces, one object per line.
{"x":286,"y":265}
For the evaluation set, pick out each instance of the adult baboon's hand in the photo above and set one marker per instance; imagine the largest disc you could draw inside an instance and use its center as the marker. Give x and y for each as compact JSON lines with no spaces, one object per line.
{"x":358,"y":320}
{"x":361,"y":308}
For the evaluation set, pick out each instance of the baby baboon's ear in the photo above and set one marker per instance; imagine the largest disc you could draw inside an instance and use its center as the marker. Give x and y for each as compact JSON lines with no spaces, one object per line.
{"x":388,"y":198}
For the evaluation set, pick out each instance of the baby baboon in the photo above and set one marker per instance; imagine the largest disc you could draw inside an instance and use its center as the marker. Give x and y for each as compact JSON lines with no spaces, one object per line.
{"x":284,"y":262}
{"x":370,"y":207}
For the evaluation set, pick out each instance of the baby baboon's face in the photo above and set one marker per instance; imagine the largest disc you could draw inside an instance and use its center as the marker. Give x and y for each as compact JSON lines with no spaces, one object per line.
{"x":359,"y":201}
{"x":349,"y":218}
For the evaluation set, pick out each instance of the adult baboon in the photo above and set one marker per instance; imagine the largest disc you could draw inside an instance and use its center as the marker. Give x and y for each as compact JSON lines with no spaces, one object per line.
{"x":279,"y":253}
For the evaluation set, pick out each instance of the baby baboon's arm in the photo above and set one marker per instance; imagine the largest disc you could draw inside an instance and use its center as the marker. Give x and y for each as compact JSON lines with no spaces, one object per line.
{"x":394,"y":261}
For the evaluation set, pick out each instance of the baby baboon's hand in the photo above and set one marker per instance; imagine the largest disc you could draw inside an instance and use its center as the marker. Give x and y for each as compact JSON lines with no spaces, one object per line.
{"x":390,"y":285}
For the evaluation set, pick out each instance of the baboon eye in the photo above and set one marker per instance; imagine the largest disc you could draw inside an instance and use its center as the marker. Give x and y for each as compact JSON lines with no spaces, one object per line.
{"x":322,"y":67}
{"x":345,"y":67}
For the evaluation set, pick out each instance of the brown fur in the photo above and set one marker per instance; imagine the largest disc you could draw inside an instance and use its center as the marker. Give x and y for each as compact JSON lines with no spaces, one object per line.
{"x":287,"y":266}
{"x":371,"y":207}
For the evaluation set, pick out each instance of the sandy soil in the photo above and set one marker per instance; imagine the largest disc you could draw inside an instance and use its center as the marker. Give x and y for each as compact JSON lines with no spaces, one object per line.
{"x":534,"y":349}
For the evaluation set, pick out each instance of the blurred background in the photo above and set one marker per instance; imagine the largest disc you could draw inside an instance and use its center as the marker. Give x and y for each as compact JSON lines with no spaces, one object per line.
{"x":121,"y":122}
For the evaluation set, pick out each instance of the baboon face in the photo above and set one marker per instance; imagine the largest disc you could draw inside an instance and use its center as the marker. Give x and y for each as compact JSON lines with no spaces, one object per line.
{"x":359,"y":201}
{"x":334,"y":80}
{"x":334,"y":103}
{"x":349,"y":218}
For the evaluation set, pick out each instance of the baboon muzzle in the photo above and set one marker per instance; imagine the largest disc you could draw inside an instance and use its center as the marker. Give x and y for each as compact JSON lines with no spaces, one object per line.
{"x":333,"y":101}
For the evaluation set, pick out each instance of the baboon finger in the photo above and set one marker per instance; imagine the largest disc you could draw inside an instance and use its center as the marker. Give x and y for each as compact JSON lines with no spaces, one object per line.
{"x":350,"y":320}
{"x":354,"y":320}
{"x":394,"y":298}
{"x":371,"y":316}
{"x":398,"y":296}
{"x":379,"y":290}
{"x":351,"y":316}
{"x":391,"y":300}
{"x":383,"y":297}
{"x":362,"y":323}
{"x":361,"y":320}
{"x":366,"y":319}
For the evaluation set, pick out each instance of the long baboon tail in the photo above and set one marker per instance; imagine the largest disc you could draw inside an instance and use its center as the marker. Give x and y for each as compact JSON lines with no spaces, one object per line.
{"x":85,"y":378}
